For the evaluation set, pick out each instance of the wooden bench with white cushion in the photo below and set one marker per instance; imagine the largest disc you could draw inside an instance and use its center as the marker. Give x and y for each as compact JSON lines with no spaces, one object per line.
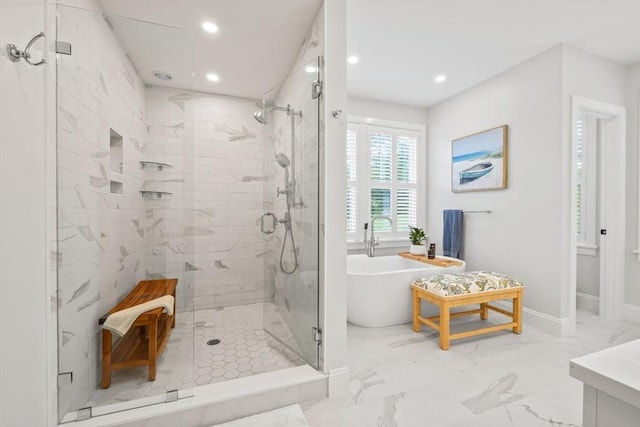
{"x":461,"y":289}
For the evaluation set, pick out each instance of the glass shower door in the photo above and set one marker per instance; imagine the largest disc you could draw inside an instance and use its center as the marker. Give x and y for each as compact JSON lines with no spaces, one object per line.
{"x":122,"y":207}
{"x":290,"y":225}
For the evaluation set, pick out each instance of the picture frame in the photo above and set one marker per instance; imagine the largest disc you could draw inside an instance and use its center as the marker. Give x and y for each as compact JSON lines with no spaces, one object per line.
{"x":479,"y":161}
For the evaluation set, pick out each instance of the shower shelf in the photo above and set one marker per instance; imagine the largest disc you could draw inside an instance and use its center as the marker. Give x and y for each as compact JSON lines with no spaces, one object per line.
{"x":160,"y":166}
{"x":155,"y":195}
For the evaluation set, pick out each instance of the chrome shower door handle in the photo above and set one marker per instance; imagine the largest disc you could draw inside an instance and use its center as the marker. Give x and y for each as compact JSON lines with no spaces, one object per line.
{"x":273,"y":223}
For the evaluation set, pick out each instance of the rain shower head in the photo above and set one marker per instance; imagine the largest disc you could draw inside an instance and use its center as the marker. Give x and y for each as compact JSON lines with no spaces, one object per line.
{"x":261,"y":115}
{"x":282,"y":160}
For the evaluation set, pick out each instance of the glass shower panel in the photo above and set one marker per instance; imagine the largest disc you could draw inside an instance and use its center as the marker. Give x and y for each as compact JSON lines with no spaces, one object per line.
{"x":291,"y":195}
{"x":123,"y":208}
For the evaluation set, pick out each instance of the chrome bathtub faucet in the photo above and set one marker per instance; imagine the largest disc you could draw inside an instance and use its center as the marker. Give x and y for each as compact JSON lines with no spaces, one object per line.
{"x":370,"y":245}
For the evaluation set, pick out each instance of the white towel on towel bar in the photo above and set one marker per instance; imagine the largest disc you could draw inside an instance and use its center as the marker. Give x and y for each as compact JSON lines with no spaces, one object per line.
{"x":120,"y":321}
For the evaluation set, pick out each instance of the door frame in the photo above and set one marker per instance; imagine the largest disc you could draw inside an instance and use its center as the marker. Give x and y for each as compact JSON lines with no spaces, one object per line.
{"x":612,"y":162}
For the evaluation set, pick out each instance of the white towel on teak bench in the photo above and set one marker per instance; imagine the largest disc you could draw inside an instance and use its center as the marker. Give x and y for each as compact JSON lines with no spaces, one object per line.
{"x":120,"y":321}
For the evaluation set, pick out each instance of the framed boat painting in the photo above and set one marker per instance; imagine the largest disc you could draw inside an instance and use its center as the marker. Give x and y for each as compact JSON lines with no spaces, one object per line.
{"x":479,"y":161}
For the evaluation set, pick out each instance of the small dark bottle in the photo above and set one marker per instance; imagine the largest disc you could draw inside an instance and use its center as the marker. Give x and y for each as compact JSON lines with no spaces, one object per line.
{"x":432,"y":251}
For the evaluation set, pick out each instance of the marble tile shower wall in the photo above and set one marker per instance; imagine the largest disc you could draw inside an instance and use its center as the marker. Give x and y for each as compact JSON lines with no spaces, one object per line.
{"x":226,"y":178}
{"x":100,"y":236}
{"x":168,"y":222}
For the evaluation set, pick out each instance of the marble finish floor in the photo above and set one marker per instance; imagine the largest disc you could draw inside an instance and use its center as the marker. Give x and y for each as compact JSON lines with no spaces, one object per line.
{"x":245,"y":349}
{"x":400,"y":378}
{"x":289,"y":416}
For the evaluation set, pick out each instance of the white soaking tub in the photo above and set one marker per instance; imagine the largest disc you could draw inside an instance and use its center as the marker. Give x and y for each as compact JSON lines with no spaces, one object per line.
{"x":379,"y":291}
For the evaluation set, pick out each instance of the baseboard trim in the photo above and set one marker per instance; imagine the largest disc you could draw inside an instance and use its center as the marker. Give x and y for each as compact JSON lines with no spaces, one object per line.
{"x":588,"y":302}
{"x":553,"y":325}
{"x":632,"y":313}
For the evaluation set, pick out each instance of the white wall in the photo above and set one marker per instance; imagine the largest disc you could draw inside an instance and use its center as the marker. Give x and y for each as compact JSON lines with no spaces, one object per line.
{"x":632,"y":261}
{"x":25,"y":394}
{"x":592,"y":76}
{"x":386,"y":111}
{"x":521,"y":236}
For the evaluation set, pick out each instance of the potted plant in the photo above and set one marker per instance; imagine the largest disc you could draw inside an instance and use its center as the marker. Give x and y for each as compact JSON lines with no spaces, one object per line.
{"x":416,"y":235}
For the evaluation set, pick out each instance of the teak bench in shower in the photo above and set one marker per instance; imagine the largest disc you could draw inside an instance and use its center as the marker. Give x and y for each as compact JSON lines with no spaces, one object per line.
{"x":441,"y":323}
{"x":144,"y":342}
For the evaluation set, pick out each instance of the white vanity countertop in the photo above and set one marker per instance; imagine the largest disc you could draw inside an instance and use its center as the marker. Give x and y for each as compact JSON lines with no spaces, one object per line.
{"x":615,"y":371}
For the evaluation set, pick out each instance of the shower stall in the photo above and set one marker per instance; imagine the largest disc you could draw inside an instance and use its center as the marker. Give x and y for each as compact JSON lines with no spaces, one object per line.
{"x":159,"y":181}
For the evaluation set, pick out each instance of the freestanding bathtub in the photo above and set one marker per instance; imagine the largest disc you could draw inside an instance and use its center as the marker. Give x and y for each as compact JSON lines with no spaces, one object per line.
{"x":378,"y":291}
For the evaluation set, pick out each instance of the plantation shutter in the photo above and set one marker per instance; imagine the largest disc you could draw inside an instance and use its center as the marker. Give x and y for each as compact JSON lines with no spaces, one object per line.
{"x":407,"y":177}
{"x":352,"y":178}
{"x":586,"y":192}
{"x":393,"y":162}
{"x":581,"y":178}
{"x":381,"y":156}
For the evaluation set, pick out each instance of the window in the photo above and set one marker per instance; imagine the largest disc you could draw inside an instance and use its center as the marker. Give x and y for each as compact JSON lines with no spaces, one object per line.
{"x":586,"y":145}
{"x":383,"y":177}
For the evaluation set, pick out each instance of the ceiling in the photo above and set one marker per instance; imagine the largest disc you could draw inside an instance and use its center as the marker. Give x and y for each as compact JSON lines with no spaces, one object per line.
{"x":255,"y":46}
{"x":402,"y":44}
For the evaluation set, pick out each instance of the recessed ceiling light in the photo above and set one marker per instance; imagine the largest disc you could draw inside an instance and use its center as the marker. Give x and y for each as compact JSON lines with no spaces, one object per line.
{"x":353,"y":59}
{"x":440,"y":78}
{"x":210,"y":27}
{"x":310,"y":69}
{"x":162,"y":75}
{"x":213,"y":77}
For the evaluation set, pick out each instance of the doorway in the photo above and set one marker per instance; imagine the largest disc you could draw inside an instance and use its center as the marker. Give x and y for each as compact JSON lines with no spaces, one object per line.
{"x":598,"y":184}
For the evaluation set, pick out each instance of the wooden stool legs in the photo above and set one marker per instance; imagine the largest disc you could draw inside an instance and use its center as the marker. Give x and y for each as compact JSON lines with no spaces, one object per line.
{"x":484,"y":311}
{"x":445,"y":317}
{"x":441,"y":323}
{"x":517,"y":313}
{"x":416,"y":309}
{"x":106,"y":359}
{"x":153,"y":348}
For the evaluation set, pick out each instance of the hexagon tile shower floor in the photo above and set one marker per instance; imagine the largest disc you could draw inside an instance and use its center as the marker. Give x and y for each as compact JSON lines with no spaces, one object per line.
{"x":244,"y":349}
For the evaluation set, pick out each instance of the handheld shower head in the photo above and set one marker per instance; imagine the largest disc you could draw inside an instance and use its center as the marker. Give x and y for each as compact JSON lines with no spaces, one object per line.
{"x":282,"y":160}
